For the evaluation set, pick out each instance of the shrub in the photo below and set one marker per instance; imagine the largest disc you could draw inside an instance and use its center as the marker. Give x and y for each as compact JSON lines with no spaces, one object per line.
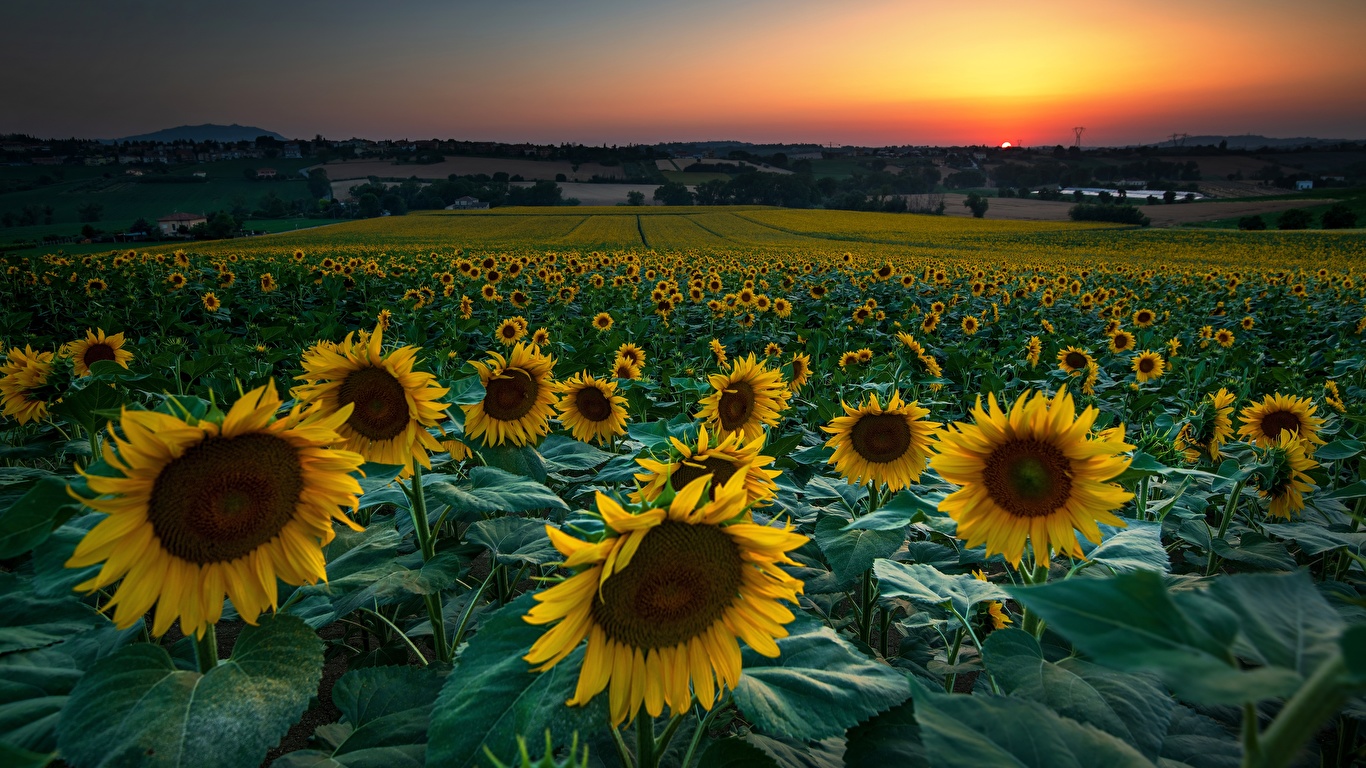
{"x":1295,"y":218}
{"x":1339,"y":217}
{"x":1119,"y":214}
{"x":1252,"y":223}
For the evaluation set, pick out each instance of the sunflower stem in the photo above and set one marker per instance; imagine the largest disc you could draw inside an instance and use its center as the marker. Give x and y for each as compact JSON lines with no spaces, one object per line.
{"x":952,"y":679}
{"x":206,"y":649}
{"x":1315,"y":701}
{"x":1142,"y":500}
{"x":667,"y":736}
{"x":427,"y":543}
{"x":701,"y":731}
{"x":1229,"y":508}
{"x":1032,"y":622}
{"x":622,"y":751}
{"x":867,"y":596}
{"x":645,"y":739}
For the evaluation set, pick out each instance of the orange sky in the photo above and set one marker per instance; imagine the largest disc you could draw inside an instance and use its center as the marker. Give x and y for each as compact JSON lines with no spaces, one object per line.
{"x":871,"y":72}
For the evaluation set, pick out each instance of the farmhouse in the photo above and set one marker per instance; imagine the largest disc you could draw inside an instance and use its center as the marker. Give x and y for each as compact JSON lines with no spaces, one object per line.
{"x":466,"y":203}
{"x":1304,"y":184}
{"x":170,"y":225}
{"x":265,"y":173}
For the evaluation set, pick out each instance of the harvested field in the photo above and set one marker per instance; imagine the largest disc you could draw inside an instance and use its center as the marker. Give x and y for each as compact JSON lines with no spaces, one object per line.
{"x":1161,"y":215}
{"x":531,"y":170}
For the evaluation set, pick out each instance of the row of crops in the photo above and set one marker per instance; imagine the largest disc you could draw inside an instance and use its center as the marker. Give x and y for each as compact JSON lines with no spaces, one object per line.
{"x":364,"y":497}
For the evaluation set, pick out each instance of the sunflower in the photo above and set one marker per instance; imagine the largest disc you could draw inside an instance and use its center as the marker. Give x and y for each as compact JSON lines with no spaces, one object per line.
{"x":210,"y":302}
{"x":1209,"y":427}
{"x":591,"y":408}
{"x":1073,"y":360}
{"x":176,"y":280}
{"x":201,"y":510}
{"x":625,"y":369}
{"x":1263,"y":422}
{"x":23,"y":384}
{"x":847,"y":359}
{"x":603,"y":322}
{"x":1034,"y":473}
{"x":745,"y":398}
{"x":801,"y":370}
{"x":718,"y":351}
{"x":1121,"y":341}
{"x":519,"y":398}
{"x":510,"y":332}
{"x":1033,"y":349}
{"x":95,"y":285}
{"x":96,"y":347}
{"x":729,"y":456}
{"x":541,"y":337}
{"x":1144,"y":318}
{"x":394,"y":404}
{"x":1286,"y":480}
{"x":664,"y":599}
{"x":970,"y":325}
{"x":1224,"y":337}
{"x":876,"y":444}
{"x":995,"y":612}
{"x":1148,"y":366}
{"x":629,"y":351}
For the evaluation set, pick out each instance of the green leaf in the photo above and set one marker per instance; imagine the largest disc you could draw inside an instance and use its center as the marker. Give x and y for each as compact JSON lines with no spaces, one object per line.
{"x":30,"y":621}
{"x":1196,"y":741}
{"x":925,"y":585}
{"x":1339,"y":450}
{"x":492,"y":490}
{"x":1132,"y":708}
{"x":385,"y":712}
{"x":169,"y":717}
{"x":1130,"y":622}
{"x":1142,"y":466}
{"x":524,"y":461}
{"x":975,"y":731}
{"x":1135,"y":548}
{"x":14,"y":757}
{"x":1256,"y":550}
{"x":851,"y":552}
{"x":563,"y":454}
{"x":817,"y":687}
{"x":514,"y":540}
{"x":1315,"y":539}
{"x":466,"y":391}
{"x":903,"y":509}
{"x":1354,"y":491}
{"x":735,"y":753}
{"x":890,"y":739}
{"x":1283,"y":619}
{"x":83,"y":407}
{"x":35,"y":515}
{"x":492,"y":695}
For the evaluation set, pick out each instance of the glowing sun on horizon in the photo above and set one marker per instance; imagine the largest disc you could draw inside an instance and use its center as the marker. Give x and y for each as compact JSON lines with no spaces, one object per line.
{"x":1005,"y":145}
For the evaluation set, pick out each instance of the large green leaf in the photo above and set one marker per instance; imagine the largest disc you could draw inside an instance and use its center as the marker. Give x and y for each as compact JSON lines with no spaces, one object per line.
{"x":490,"y":490}
{"x":1315,"y":538}
{"x":1136,"y":548}
{"x":492,"y":695}
{"x":850,"y":552}
{"x":136,"y":708}
{"x":902,"y":510}
{"x":514,"y":540}
{"x":87,"y":407}
{"x":1196,"y":741}
{"x":385,"y":713}
{"x":735,"y":753}
{"x":889,"y":739}
{"x":1283,"y":620}
{"x":817,"y":687}
{"x":1131,"y":622}
{"x":28,"y":620}
{"x":926,"y":585}
{"x":974,"y":731}
{"x":1133,"y":708}
{"x":33,"y":517}
{"x":563,"y":454}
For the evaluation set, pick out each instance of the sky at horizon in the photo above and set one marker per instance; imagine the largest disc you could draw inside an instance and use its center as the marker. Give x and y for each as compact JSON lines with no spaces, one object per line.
{"x":865,"y":72}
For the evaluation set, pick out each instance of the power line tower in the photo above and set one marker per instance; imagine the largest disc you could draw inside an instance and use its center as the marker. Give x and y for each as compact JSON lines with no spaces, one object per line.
{"x":1179,"y":139}
{"x":1077,"y":132}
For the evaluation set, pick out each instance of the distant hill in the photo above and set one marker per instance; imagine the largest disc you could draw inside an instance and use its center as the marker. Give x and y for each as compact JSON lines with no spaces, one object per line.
{"x":1252,"y":141}
{"x":206,"y":132}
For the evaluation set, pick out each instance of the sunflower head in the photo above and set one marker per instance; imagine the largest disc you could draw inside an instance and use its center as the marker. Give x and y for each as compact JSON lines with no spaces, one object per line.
{"x":664,"y":595}
{"x":1282,"y":478}
{"x":1073,"y":360}
{"x":591,"y":408}
{"x":1148,"y":366}
{"x":745,"y":398}
{"x":717,"y":456}
{"x":24,"y":388}
{"x":1264,"y":422}
{"x":881,"y":444}
{"x":96,"y":346}
{"x":519,"y":398}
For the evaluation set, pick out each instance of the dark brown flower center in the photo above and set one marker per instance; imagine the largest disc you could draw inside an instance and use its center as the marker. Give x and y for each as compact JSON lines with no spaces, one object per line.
{"x":225,"y":497}
{"x":680,"y":582}
{"x":593,"y":404}
{"x":510,"y":396}
{"x":1278,"y":421}
{"x":689,"y":470}
{"x":1075,"y":360}
{"x":1121,"y":341}
{"x":381,"y":406}
{"x":97,"y":352}
{"x":1028,"y":478}
{"x":737,"y":403}
{"x":881,"y":438}
{"x":1146,"y":365}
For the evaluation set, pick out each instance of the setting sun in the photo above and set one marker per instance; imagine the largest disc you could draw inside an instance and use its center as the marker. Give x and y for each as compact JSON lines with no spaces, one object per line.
{"x":1005,"y":145}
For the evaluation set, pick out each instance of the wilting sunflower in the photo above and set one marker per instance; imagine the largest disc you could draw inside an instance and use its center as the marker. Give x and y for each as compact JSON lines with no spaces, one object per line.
{"x":23,"y":384}
{"x":1033,"y":473}
{"x":1209,"y":427}
{"x":801,"y":371}
{"x":730,"y":455}
{"x":96,"y":347}
{"x":591,"y":408}
{"x":519,"y":398}
{"x":1263,"y":422}
{"x":1285,"y":481}
{"x":745,"y":398}
{"x":201,"y":510}
{"x":1121,"y":341}
{"x":664,"y":599}
{"x":394,"y":404}
{"x":1148,"y":366}
{"x":877,"y":444}
{"x":1073,"y":360}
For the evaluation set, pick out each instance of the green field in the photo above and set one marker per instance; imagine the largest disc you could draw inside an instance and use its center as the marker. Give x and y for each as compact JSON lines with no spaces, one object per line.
{"x":1354,"y":198}
{"x":691,"y":179}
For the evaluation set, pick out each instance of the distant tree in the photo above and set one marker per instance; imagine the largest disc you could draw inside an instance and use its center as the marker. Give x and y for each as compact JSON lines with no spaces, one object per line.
{"x":712,"y":192}
{"x":965,"y":180}
{"x":560,"y":177}
{"x":89,"y":231}
{"x":142,"y":225}
{"x":318,"y":185}
{"x":1252,"y":223}
{"x":249,"y":174}
{"x":673,"y":193}
{"x":90,"y":212}
{"x":977,"y":204}
{"x":1120,"y":214}
{"x":1169,"y":196}
{"x":635,"y":197}
{"x":1339,"y":217}
{"x":220,"y":225}
{"x":368,"y":205}
{"x":394,"y":204}
{"x":271,"y":206}
{"x":501,"y":176}
{"x":1295,"y":218}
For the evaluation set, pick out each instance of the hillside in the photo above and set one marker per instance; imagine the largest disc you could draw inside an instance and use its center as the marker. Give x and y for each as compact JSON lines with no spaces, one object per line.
{"x":206,"y":132}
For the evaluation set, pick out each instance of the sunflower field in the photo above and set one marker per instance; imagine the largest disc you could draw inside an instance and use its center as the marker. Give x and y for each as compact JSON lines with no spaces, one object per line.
{"x":631,"y":489}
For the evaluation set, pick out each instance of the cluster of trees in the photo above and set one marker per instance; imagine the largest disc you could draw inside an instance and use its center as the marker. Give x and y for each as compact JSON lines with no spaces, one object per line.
{"x":1339,"y":216}
{"x":376,"y":197}
{"x":28,"y":216}
{"x":1121,"y":214}
{"x":910,"y":190}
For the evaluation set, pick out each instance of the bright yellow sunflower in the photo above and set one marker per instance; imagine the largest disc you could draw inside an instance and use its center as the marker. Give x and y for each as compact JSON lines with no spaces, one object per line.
{"x":635,"y":354}
{"x":1034,"y":473}
{"x":801,"y":371}
{"x":877,"y":444}
{"x":1073,"y":360}
{"x":202,"y":510}
{"x":394,"y":404}
{"x":625,"y":369}
{"x":1148,"y":366}
{"x":96,"y":347}
{"x":664,"y":599}
{"x":591,"y":408}
{"x":1263,"y":422}
{"x":23,"y":384}
{"x":730,"y":455}
{"x":745,"y":398}
{"x":1208,"y":429}
{"x":603,"y":322}
{"x":510,"y":332}
{"x":519,"y":398}
{"x":1121,"y":341}
{"x":1285,"y":488}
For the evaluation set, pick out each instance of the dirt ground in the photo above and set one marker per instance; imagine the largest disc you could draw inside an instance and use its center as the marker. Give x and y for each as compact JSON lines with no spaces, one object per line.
{"x":605,"y":194}
{"x":532,"y":170}
{"x":1161,"y":215}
